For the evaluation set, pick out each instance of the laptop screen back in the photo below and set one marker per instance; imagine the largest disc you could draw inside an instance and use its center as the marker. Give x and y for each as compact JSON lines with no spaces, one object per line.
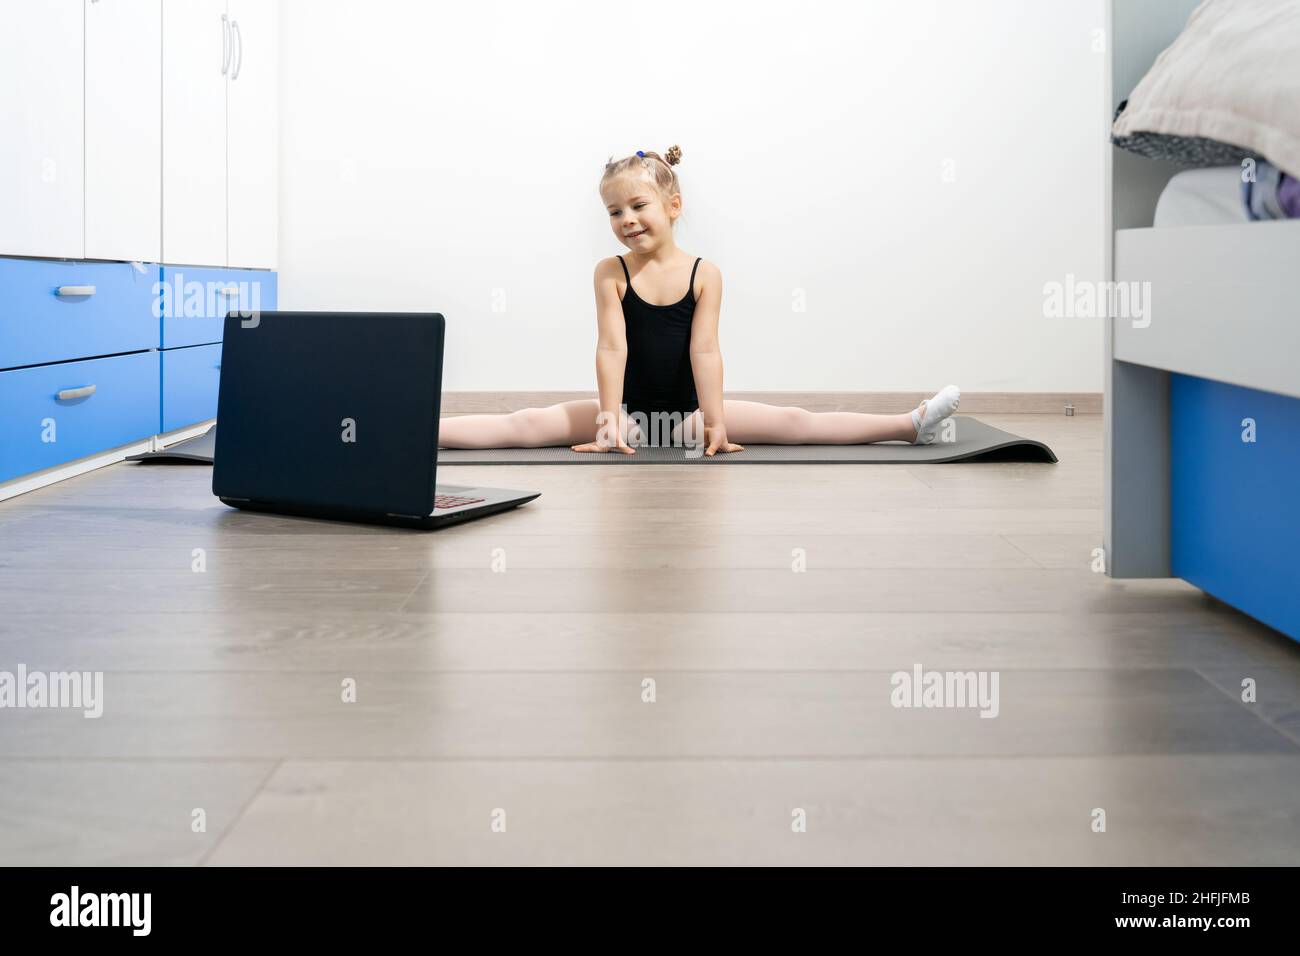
{"x":330,"y":409}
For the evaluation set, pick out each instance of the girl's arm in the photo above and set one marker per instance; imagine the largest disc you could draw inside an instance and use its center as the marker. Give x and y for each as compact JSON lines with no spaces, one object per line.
{"x":706,"y":358}
{"x":611,"y":346}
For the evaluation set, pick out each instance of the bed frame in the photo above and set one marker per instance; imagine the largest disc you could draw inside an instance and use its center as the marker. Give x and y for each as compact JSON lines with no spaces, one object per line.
{"x":1186,"y":493}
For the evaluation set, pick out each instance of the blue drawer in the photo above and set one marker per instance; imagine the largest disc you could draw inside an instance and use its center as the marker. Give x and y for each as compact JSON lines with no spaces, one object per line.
{"x":189,"y":385}
{"x":38,"y":430}
{"x":1233,"y":503}
{"x":196,"y":300}
{"x":38,"y":325}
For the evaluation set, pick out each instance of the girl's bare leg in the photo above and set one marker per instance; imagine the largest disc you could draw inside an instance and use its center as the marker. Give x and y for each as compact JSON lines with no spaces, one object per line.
{"x":568,"y":423}
{"x":761,"y":424}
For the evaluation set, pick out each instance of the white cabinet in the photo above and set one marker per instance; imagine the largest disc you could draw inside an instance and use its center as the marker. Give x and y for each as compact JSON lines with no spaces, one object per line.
{"x":251,"y":135}
{"x":41,"y":114}
{"x":220,"y":89}
{"x":123,"y":129}
{"x":140,"y":130}
{"x":196,"y":55}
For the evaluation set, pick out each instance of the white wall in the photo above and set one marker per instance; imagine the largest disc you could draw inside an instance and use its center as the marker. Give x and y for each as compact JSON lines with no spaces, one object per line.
{"x":442,"y":157}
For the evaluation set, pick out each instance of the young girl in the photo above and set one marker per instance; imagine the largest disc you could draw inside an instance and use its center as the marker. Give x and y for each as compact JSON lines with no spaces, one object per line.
{"x":657,"y":357}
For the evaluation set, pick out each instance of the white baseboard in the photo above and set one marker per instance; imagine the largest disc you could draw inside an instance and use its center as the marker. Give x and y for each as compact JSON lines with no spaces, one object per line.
{"x":182,"y":434}
{"x":39,"y":479}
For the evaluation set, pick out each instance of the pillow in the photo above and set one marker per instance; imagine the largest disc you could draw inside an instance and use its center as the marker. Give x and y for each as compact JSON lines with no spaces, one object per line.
{"x":1227,"y":87}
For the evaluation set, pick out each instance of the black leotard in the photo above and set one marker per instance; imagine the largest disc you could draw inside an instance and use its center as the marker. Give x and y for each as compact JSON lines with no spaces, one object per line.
{"x":658,"y":376}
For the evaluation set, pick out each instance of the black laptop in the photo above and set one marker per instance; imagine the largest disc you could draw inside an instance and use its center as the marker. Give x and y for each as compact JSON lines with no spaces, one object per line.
{"x":335,"y":415}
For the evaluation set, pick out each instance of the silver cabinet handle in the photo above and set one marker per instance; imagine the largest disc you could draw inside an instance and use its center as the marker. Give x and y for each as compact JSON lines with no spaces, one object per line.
{"x":70,"y":393}
{"x":239,"y":49}
{"x":66,"y":290}
{"x":225,"y":44}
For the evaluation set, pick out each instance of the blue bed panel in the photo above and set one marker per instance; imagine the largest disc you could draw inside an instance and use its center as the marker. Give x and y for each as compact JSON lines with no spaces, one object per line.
{"x":197,"y":300}
{"x":39,"y":325}
{"x":40,"y":430}
{"x":189,"y":385}
{"x":1236,"y":504}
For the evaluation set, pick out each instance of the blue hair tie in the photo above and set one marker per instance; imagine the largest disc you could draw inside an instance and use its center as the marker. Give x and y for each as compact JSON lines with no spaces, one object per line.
{"x":641,"y":154}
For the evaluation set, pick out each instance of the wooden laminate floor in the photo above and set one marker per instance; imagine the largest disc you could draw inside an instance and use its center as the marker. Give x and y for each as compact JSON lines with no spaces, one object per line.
{"x":501,"y":671}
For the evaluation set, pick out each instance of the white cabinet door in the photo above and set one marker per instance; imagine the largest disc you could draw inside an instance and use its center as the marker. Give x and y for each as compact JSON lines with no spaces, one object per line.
{"x":196,"y":55}
{"x":251,"y":151}
{"x":124,"y":129}
{"x":41,"y":48}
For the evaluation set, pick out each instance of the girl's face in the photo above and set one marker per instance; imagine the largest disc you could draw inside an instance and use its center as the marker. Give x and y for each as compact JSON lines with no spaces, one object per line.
{"x":640,"y":218}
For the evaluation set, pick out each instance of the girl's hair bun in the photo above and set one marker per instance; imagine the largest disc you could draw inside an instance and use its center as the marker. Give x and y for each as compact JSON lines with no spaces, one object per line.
{"x":645,"y":163}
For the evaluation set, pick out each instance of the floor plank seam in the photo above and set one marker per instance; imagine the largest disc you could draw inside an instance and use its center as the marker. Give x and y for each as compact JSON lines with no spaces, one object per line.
{"x":1037,"y":563}
{"x":406,"y":600}
{"x":1253,"y":711}
{"x":639,"y":671}
{"x":229,"y":828}
{"x":901,"y":756}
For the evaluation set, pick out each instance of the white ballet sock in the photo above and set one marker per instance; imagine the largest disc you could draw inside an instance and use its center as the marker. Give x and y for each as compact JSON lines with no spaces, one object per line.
{"x":942,"y":406}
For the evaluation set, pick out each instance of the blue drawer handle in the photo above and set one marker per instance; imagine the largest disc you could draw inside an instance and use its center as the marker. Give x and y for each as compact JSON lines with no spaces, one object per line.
{"x":69,"y":290}
{"x":70,"y":393}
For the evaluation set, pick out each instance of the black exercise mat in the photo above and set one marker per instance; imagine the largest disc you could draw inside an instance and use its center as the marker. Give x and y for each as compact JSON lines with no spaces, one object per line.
{"x":973,"y":440}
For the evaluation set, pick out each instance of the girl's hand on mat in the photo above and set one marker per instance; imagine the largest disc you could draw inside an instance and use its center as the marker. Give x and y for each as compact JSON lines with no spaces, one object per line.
{"x":715,"y":440}
{"x":604,"y":446}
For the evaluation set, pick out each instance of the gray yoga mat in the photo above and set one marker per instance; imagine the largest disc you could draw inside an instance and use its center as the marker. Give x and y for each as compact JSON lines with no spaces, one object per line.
{"x":193,"y":451}
{"x":973,"y":440}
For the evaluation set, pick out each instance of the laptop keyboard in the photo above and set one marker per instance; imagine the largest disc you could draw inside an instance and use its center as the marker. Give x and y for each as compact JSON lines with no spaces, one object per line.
{"x":454,"y":501}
